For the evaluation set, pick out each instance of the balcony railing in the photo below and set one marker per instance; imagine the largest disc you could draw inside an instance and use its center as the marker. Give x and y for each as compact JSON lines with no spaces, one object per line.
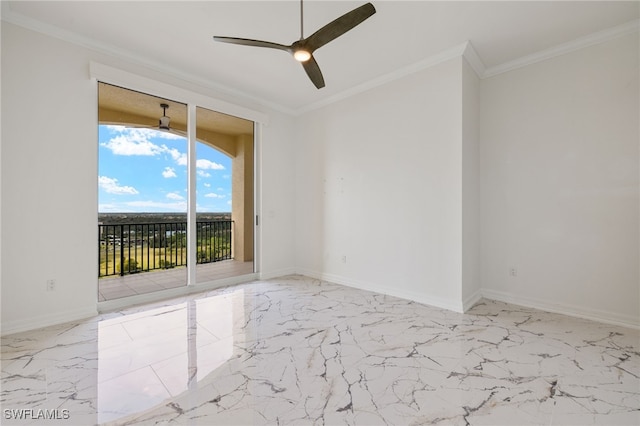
{"x":140,"y":247}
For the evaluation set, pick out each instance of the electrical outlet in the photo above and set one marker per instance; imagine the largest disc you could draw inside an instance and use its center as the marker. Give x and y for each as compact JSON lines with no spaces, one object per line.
{"x":344,"y":259}
{"x":513,"y":272}
{"x":51,"y":285}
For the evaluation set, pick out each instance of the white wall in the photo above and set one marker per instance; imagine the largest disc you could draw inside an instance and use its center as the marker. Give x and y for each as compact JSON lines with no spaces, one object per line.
{"x":470,"y":186}
{"x":49,"y":179}
{"x":277,"y":180}
{"x":0,"y":185}
{"x":384,"y":179}
{"x":379,"y":181}
{"x":559,"y":183}
{"x":49,"y":168}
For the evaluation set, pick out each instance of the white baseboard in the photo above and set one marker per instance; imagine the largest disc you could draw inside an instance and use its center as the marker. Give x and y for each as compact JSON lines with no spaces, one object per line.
{"x":437,"y":302}
{"x":18,"y":326}
{"x":606,"y":317}
{"x":277,"y":273}
{"x":471,"y":300}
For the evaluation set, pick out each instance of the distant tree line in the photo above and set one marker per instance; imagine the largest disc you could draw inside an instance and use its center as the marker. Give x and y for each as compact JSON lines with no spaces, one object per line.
{"x":126,"y":218}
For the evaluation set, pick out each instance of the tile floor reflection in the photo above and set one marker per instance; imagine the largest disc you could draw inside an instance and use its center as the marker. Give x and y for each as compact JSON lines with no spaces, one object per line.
{"x":295,"y":350}
{"x":146,"y":358}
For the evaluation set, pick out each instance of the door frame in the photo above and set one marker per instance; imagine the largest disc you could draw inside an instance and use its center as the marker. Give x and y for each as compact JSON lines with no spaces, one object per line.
{"x":103,"y":73}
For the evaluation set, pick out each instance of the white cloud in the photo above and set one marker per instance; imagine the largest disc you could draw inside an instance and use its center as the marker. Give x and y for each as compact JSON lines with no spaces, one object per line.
{"x":121,"y":145}
{"x":207,"y":185}
{"x":174,"y":196}
{"x":135,"y":141}
{"x":214,"y":195}
{"x":203,"y":163}
{"x":179,"y":157}
{"x":169,"y":172}
{"x":111,"y":186}
{"x":203,"y":174}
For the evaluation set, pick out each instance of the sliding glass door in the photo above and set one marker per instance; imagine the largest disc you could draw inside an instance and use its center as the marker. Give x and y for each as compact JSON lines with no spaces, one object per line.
{"x":149,"y":240}
{"x":224,"y":203}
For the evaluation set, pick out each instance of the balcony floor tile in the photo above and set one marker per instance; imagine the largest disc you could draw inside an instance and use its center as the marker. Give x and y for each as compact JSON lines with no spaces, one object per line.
{"x":111,"y":288}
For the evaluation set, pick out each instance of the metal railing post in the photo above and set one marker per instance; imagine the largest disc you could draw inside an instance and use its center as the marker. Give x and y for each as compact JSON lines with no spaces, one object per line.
{"x":121,"y":251}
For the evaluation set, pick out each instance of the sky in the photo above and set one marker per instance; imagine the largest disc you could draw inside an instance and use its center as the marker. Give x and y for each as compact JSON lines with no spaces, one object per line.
{"x":145,"y":170}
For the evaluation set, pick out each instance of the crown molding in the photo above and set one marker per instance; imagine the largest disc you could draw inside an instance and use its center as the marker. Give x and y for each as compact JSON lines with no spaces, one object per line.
{"x":9,"y":16}
{"x":465,"y":50}
{"x":468,"y":52}
{"x":474,"y":60}
{"x":446,"y":55}
{"x":564,"y":48}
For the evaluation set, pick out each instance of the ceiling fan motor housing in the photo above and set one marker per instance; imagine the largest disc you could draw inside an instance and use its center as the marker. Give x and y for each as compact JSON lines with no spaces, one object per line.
{"x":163,"y":124}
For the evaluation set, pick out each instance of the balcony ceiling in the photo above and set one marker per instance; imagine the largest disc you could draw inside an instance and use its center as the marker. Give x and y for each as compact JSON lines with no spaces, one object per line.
{"x":176,"y":37}
{"x":127,"y":107}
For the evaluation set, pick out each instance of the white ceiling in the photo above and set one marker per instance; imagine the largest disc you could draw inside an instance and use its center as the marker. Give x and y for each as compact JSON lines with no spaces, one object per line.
{"x":176,"y":37}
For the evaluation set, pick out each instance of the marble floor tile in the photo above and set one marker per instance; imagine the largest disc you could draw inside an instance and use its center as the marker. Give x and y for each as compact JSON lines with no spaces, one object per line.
{"x":294,"y":350}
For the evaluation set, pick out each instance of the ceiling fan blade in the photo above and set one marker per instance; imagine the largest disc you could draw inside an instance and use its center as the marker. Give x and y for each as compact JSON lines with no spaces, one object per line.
{"x":254,"y":43}
{"x":339,"y":26}
{"x":155,"y":128}
{"x":313,"y":71}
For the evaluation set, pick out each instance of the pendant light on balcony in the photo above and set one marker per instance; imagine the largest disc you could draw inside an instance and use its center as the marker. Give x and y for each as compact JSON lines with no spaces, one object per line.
{"x":164,"y":120}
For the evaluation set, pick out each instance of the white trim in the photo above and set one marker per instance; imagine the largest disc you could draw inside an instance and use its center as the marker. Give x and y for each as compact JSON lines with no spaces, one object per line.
{"x":139,"y":83}
{"x":598,"y":315}
{"x":70,"y":37}
{"x":473,"y":59}
{"x":116,"y":76}
{"x":437,"y":302}
{"x":564,"y":48}
{"x":257,"y":197}
{"x":278,"y":273}
{"x":465,"y":49}
{"x":192,"y":231}
{"x":127,"y":302}
{"x":18,"y":326}
{"x":605,"y":317}
{"x":470,"y":301}
{"x":429,"y":62}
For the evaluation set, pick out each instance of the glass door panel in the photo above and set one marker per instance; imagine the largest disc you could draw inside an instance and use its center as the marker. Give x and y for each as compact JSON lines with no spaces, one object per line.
{"x":142,"y":198}
{"x":224,"y":197}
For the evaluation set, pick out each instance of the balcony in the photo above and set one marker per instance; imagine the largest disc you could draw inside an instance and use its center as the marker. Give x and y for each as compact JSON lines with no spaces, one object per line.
{"x":138,"y":258}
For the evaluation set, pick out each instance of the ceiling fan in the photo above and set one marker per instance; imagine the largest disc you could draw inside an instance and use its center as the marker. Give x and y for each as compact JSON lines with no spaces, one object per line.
{"x":164,"y":123}
{"x":303,"y":49}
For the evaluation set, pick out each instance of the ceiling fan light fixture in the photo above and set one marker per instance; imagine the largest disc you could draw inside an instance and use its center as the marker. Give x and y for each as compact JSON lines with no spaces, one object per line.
{"x":302,"y":55}
{"x":164,"y":123}
{"x":303,"y":48}
{"x":164,"y":120}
